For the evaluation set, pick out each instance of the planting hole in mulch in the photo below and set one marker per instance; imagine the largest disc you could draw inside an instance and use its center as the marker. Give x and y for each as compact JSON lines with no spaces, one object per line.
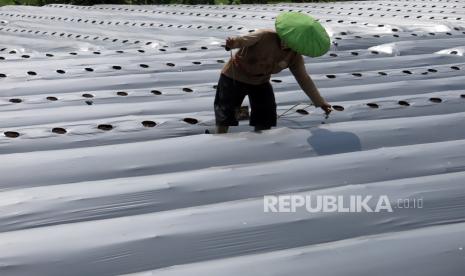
{"x":88,"y":69}
{"x":382,"y":73}
{"x":302,"y":111}
{"x":121,"y":93}
{"x":435,"y":100}
{"x":455,"y":68}
{"x":105,"y":127}
{"x":356,"y":74}
{"x":155,"y":92}
{"x":89,"y":102}
{"x":149,"y":123}
{"x":59,"y":71}
{"x":15,"y":100}
{"x":2,"y":76}
{"x":432,"y":70}
{"x":116,"y":67}
{"x":462,"y":96}
{"x":51,"y":98}
{"x":196,"y":62}
{"x":59,"y":130}
{"x":276,"y":80}
{"x":403,"y":103}
{"x":87,"y":95}
{"x":407,"y":72}
{"x":338,"y":107}
{"x":373,"y":105}
{"x":170,"y":64}
{"x":331,"y":76}
{"x":185,"y":89}
{"x":191,"y":121}
{"x":144,"y":65}
{"x":11,"y":134}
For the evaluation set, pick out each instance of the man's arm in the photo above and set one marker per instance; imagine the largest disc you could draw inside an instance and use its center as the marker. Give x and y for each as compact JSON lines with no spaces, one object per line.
{"x":297,"y":68}
{"x":244,"y":40}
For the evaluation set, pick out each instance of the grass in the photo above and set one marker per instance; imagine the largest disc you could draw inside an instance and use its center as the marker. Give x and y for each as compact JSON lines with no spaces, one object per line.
{"x":6,"y":2}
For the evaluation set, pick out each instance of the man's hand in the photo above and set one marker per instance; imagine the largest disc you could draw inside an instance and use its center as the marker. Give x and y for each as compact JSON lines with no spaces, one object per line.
{"x":326,"y":108}
{"x":229,"y":43}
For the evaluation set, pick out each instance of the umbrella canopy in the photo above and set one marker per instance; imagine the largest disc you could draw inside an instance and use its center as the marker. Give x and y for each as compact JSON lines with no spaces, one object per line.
{"x":302,"y":33}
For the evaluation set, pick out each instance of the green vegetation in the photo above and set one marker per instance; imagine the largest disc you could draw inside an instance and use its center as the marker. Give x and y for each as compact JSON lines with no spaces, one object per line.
{"x":144,"y":2}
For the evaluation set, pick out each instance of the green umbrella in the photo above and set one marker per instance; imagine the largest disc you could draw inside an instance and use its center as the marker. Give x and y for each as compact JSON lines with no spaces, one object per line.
{"x":302,"y":33}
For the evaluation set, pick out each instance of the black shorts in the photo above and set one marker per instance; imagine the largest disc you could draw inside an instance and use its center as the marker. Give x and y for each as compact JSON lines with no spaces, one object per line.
{"x":231,"y":93}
